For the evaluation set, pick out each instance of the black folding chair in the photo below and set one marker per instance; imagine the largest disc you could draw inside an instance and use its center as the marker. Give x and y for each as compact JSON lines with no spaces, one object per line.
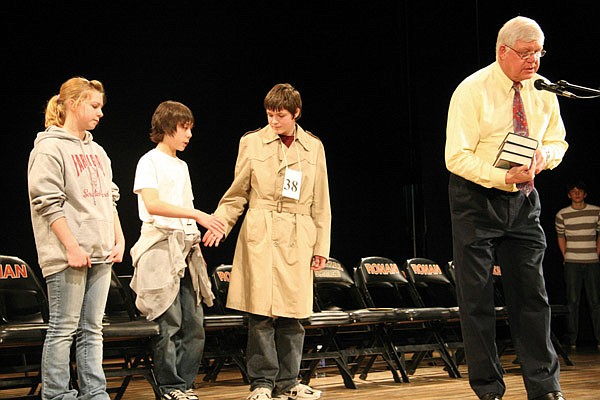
{"x":23,"y":326}
{"x":435,"y":288}
{"x":416,"y":329}
{"x":342,"y":329}
{"x":127,"y":339}
{"x":226,"y":330}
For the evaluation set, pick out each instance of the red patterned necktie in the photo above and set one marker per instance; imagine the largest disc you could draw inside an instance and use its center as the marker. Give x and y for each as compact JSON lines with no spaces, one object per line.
{"x":520,"y":127}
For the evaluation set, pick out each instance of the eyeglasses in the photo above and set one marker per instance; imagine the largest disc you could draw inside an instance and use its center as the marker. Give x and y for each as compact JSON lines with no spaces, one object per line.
{"x":524,"y":55}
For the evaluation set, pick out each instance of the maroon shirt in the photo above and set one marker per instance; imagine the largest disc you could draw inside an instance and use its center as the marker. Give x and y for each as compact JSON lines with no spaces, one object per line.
{"x":287,"y":140}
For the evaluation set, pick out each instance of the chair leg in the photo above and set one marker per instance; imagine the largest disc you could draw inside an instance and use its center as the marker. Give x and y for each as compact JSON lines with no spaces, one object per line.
{"x":559,"y":349}
{"x":345,"y":372}
{"x":459,"y":356}
{"x":147,"y":371}
{"x":151,"y":378}
{"x":121,"y":390}
{"x":241,"y":364}
{"x":415,"y":361}
{"x":214,"y":369}
{"x":392,"y":357}
{"x":367,"y":367}
{"x":312,"y":367}
{"x":370,"y":361}
{"x":447,"y":358}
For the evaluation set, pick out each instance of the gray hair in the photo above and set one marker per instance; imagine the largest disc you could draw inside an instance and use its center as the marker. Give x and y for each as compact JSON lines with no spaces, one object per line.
{"x":519,"y":28}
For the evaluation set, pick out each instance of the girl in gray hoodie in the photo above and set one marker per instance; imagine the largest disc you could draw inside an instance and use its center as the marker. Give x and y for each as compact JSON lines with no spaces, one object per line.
{"x":78,"y":236}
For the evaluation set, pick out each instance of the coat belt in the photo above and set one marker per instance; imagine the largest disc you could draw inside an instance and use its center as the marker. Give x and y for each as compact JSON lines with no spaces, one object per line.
{"x":280,"y":206}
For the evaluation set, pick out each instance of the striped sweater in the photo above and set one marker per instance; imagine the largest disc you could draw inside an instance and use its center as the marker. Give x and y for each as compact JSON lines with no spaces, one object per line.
{"x":580,"y":229}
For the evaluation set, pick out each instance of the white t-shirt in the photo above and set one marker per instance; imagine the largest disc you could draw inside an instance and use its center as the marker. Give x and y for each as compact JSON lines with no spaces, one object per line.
{"x":171,"y":177}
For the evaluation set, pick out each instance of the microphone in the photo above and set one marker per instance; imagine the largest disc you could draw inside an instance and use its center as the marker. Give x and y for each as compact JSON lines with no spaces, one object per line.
{"x":567,"y":85}
{"x":541,"y":84}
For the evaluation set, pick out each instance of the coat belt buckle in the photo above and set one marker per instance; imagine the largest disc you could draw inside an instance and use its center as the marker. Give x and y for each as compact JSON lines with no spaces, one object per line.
{"x":279,"y":206}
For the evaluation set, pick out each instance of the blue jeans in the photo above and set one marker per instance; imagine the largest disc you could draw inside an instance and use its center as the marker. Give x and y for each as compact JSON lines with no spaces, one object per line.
{"x":179,"y":346}
{"x":274,"y":352}
{"x":77,"y":298}
{"x":577,"y":277}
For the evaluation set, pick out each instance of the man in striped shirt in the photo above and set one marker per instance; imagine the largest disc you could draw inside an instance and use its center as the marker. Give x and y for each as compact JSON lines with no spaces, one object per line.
{"x":577,"y":228}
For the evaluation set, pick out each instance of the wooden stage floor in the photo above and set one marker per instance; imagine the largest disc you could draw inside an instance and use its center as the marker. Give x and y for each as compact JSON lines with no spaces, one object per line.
{"x":579,"y":382}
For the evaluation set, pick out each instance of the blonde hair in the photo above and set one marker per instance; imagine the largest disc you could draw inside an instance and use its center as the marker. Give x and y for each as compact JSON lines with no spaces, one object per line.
{"x":77,"y":89}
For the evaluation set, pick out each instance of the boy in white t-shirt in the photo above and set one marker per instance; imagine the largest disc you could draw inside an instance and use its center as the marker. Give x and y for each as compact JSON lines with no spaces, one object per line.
{"x":170,"y":277}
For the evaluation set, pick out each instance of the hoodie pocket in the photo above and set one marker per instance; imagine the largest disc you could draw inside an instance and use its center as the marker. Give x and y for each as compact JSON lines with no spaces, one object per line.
{"x":96,"y":236}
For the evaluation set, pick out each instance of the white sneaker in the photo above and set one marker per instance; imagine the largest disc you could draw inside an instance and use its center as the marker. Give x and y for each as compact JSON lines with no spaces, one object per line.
{"x":174,"y":395}
{"x":260,"y":393}
{"x":191,"y":395}
{"x":300,"y":391}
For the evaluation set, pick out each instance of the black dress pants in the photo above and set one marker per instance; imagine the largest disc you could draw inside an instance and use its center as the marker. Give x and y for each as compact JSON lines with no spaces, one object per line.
{"x":491,"y":226}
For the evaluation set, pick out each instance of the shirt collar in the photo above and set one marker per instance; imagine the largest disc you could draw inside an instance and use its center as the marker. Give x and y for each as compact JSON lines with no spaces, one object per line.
{"x":301,"y":136}
{"x":505,"y":82}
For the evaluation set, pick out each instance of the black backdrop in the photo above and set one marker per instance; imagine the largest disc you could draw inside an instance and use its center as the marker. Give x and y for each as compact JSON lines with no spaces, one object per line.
{"x":376,"y":77}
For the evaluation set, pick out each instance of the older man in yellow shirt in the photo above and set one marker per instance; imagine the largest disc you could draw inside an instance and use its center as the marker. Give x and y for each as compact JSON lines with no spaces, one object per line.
{"x":493,"y":222}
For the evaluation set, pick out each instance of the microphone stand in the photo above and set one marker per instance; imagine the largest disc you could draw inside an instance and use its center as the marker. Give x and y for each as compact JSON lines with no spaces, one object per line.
{"x":564,"y":85}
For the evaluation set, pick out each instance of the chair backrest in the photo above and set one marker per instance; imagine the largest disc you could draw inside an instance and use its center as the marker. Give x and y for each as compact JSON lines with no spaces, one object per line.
{"x":22,"y":296}
{"x":120,"y":302}
{"x":334,"y":289}
{"x":431,"y":283}
{"x":383,"y":284}
{"x":450,"y":271}
{"x":496,"y":278}
{"x":220,"y":278}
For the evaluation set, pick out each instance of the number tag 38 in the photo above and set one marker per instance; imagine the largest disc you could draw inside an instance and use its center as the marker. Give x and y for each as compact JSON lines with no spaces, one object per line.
{"x":291,"y":184}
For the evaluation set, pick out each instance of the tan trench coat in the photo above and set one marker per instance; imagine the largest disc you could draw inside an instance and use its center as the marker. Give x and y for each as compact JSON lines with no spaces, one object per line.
{"x":271,"y":273}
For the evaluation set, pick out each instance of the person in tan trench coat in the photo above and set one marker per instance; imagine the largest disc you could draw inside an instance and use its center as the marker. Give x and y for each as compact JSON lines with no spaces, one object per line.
{"x":281,"y":177}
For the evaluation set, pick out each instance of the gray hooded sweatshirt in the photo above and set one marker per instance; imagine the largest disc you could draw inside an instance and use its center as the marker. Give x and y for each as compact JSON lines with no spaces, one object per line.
{"x":72,"y":178}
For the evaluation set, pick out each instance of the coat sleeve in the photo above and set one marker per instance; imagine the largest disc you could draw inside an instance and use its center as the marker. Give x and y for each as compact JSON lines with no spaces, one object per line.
{"x":234,"y":200}
{"x":321,"y":208}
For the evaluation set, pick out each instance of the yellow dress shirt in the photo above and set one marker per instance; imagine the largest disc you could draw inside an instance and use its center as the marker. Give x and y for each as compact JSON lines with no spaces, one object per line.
{"x":479,"y":117}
